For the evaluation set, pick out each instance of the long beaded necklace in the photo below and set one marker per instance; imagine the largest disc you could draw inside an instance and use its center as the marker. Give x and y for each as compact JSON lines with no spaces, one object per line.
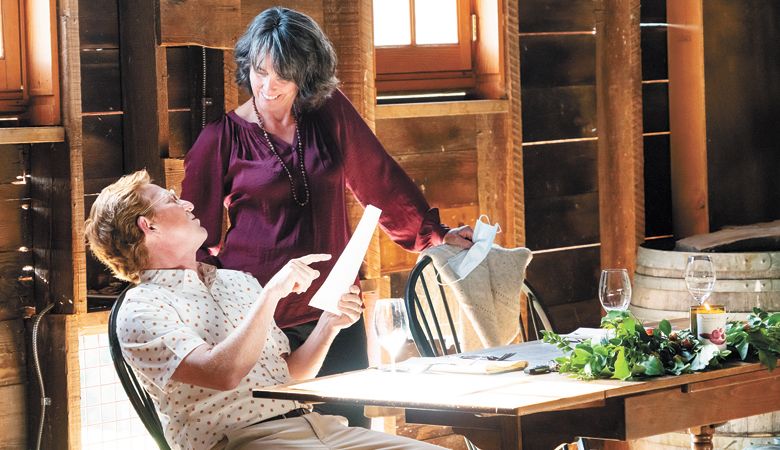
{"x":288,"y":170}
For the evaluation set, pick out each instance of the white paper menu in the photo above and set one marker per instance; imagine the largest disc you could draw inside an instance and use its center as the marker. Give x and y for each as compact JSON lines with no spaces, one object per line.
{"x":346,"y":268}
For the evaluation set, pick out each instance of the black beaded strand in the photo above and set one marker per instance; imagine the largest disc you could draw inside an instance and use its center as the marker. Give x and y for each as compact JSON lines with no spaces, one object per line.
{"x":299,"y":151}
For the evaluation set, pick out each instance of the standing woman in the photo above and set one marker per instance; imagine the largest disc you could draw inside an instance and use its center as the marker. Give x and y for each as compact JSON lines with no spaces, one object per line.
{"x":281,"y":164}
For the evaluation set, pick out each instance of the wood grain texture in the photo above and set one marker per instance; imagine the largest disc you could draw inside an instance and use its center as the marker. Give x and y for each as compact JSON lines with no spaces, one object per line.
{"x":620,"y":154}
{"x":687,"y":118}
{"x":563,"y":221}
{"x":559,"y":113}
{"x":741,"y":69}
{"x":209,"y":23}
{"x":759,"y":394}
{"x":13,"y":357}
{"x":430,"y":135}
{"x":558,"y":60}
{"x":101,"y":87}
{"x":513,"y":72}
{"x":58,"y":344}
{"x":555,"y":15}
{"x":16,"y":283}
{"x":103,"y":154}
{"x":99,"y":24}
{"x":580,"y":284}
{"x":13,"y":416}
{"x":144,"y":70}
{"x":31,"y":135}
{"x":494,"y":172}
{"x":567,"y":168}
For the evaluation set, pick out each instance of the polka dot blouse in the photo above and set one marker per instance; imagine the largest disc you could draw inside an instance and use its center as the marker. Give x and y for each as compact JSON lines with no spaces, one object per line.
{"x":168,"y":315}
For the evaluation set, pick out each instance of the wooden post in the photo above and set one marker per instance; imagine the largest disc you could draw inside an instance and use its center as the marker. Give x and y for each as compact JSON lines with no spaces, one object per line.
{"x":687,"y":118}
{"x":512,"y":67}
{"x":701,"y":437}
{"x":620,"y":150}
{"x":349,"y":26}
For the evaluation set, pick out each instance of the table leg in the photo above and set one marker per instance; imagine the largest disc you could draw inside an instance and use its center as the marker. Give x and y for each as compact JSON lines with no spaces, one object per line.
{"x":701,"y":437}
{"x":511,"y":433}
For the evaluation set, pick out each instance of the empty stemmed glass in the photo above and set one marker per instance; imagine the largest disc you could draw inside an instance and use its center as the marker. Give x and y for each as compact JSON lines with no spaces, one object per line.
{"x":391,"y":326}
{"x":700,"y":277}
{"x":614,"y":289}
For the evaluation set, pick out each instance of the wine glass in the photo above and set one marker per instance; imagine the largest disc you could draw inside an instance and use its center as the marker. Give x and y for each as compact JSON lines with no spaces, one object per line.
{"x":614,"y":289}
{"x":390,"y":325}
{"x":700,"y":277}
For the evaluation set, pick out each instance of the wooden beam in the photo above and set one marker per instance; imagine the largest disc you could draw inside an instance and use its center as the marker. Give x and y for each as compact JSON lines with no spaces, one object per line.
{"x":205,"y":23}
{"x":438,"y":109}
{"x":512,"y":67}
{"x":687,"y":118}
{"x":349,"y":26}
{"x":620,"y":149}
{"x":31,"y":135}
{"x":144,"y":82}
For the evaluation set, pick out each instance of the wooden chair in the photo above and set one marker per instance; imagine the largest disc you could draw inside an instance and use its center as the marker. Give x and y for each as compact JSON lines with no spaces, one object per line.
{"x":424,"y":322}
{"x":138,"y":396}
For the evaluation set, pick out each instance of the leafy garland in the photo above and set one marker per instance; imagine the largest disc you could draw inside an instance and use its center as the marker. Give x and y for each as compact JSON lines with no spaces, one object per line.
{"x":631,"y":351}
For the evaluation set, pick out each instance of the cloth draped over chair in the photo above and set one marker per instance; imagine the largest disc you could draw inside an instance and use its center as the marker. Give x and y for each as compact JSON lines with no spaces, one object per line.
{"x":487,"y":305}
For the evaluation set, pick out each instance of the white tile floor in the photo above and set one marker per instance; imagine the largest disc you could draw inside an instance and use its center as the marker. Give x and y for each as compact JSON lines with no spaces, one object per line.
{"x":108,"y":421}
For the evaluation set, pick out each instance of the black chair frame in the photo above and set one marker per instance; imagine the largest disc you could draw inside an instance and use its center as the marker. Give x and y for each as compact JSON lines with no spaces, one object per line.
{"x":139,"y":397}
{"x":423,"y":327}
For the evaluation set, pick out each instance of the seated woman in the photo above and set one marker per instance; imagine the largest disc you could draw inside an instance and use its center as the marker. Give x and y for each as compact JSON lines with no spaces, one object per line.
{"x":201,"y":338}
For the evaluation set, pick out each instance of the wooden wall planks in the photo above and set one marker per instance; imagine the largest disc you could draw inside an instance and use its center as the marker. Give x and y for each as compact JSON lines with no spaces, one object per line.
{"x":16,"y":285}
{"x":742,"y":100}
{"x":559,"y":153}
{"x":545,"y":16}
{"x":13,"y":416}
{"x":102,"y":151}
{"x":99,"y":24}
{"x":100,"y":85}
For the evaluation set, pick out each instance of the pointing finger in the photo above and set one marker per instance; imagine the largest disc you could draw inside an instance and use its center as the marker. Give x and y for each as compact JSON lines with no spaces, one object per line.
{"x":314,"y":257}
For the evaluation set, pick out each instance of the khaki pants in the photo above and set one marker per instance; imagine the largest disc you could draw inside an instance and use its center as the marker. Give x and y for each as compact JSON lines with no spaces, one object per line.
{"x":315,"y":431}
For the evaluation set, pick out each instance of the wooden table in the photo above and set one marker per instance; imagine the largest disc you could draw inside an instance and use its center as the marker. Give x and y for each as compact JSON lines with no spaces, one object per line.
{"x":519,"y":411}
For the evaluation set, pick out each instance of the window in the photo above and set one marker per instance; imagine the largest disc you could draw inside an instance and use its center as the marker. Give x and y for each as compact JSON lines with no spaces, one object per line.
{"x":423,"y":45}
{"x":11,"y":63}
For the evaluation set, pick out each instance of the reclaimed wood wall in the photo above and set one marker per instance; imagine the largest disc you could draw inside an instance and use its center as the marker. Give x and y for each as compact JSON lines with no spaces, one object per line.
{"x":558,"y":82}
{"x":742,"y":69}
{"x":16,"y":291}
{"x":454,"y":158}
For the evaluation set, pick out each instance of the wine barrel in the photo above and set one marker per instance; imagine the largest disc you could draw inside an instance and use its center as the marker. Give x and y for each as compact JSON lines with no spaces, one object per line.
{"x":743,"y":281}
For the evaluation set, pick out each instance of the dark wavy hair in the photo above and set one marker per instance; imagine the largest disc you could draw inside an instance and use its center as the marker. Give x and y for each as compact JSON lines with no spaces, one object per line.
{"x":299,"y":50}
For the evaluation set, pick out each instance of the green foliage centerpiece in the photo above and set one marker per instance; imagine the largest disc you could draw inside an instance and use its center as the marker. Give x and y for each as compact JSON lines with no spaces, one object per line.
{"x":631,"y":351}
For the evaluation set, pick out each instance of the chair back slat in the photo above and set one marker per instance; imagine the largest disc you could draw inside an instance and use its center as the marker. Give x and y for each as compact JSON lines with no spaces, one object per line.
{"x":138,"y":396}
{"x":424,"y":323}
{"x":446,"y":305}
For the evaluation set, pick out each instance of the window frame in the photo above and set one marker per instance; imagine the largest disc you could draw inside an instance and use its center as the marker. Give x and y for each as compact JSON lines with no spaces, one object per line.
{"x":12,"y":65}
{"x":437,"y":67}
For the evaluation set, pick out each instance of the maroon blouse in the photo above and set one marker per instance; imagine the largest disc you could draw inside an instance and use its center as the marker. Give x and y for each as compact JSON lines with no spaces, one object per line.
{"x":231,"y":166}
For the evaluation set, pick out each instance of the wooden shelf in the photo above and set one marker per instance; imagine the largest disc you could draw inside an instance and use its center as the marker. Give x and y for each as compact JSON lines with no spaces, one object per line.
{"x":438,"y":109}
{"x":31,"y":135}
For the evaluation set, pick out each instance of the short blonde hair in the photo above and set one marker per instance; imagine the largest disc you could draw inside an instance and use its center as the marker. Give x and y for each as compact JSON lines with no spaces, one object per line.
{"x":112,"y":231}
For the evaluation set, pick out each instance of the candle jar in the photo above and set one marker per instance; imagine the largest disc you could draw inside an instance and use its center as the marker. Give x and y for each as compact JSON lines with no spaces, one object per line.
{"x":708,"y":323}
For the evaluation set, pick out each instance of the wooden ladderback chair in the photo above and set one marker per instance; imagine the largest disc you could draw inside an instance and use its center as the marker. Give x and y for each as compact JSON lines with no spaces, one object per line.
{"x":431,"y":324}
{"x":138,"y":396}
{"x":431,"y":318}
